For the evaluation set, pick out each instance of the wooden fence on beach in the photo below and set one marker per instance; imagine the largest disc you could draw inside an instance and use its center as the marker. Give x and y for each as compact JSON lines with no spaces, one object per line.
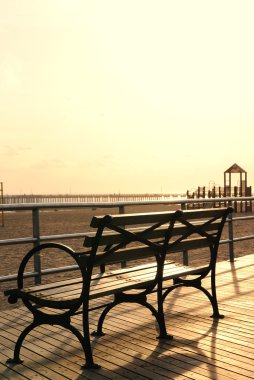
{"x":219,"y":192}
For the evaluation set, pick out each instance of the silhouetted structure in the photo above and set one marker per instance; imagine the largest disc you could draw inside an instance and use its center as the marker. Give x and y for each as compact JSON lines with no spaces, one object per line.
{"x":229,"y":190}
{"x":241,"y":189}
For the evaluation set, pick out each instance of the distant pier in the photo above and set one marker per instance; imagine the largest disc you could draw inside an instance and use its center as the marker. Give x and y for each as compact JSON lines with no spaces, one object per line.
{"x":87,"y":198}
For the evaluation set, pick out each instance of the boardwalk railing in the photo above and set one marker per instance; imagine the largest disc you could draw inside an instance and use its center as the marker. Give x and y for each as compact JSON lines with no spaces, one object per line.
{"x":36,"y":237}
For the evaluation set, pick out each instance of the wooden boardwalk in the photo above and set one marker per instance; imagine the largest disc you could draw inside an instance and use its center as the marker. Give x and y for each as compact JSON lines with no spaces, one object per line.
{"x":201,"y":349}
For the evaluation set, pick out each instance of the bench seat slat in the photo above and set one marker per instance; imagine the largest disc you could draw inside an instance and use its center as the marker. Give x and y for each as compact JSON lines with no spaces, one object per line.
{"x":103,"y":285}
{"x":57,"y":285}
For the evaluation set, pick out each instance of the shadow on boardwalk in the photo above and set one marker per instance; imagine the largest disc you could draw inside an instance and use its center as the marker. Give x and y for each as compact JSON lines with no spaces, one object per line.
{"x":201,"y":348}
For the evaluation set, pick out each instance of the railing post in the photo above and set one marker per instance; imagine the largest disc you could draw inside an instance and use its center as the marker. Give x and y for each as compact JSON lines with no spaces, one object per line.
{"x":231,"y":236}
{"x":36,"y":235}
{"x":185,"y":253}
{"x":122,"y":211}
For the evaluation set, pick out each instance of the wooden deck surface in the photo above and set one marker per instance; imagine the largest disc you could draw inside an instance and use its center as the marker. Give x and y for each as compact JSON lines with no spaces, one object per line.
{"x":201,"y":349}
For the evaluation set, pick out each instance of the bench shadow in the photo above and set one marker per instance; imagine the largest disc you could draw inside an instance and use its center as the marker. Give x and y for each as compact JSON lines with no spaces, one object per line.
{"x":178,"y":356}
{"x":166,"y":358}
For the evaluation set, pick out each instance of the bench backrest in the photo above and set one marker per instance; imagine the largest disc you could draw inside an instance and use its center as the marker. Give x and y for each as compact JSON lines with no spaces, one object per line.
{"x":125,"y":237}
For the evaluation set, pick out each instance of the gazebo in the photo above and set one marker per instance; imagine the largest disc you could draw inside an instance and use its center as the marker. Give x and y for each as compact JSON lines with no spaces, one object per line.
{"x":241,"y":188}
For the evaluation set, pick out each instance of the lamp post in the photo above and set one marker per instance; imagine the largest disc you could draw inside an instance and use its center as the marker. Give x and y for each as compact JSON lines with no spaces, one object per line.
{"x":2,"y":200}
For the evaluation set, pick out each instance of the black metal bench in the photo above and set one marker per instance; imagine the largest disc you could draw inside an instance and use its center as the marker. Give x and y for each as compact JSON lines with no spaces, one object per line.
{"x":145,"y":241}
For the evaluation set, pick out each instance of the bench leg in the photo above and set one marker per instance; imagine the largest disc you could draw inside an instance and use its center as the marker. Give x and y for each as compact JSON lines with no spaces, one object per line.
{"x":212,"y":297}
{"x":161,"y":318}
{"x":16,"y":358}
{"x":141,"y":300}
{"x":84,"y":341}
{"x":197,"y":284}
{"x":213,"y":300}
{"x":86,"y":344}
{"x":162,"y":327}
{"x":98,"y":331}
{"x":216,"y":313}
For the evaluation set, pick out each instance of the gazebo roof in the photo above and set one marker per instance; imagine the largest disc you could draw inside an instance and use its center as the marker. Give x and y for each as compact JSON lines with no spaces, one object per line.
{"x":235,"y":169}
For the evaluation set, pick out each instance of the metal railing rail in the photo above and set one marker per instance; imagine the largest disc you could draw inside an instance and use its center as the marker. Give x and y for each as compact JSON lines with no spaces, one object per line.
{"x":36,"y":239}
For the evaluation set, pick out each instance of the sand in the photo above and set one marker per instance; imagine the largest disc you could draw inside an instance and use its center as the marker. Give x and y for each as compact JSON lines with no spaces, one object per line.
{"x":19,"y":224}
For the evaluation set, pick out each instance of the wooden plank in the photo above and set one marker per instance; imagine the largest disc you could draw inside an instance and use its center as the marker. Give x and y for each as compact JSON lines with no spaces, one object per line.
{"x":201,"y":349}
{"x":109,"y":238}
{"x":103,"y":357}
{"x":128,"y":320}
{"x":8,"y":373}
{"x":132,"y":219}
{"x":144,"y":252}
{"x":121,"y":361}
{"x":31,"y":369}
{"x":155,"y":217}
{"x":187,"y":361}
{"x":104,"y":284}
{"x":55,"y":360}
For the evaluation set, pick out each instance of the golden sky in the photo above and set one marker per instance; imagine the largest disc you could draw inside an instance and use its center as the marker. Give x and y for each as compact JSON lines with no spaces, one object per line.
{"x":101,"y":96}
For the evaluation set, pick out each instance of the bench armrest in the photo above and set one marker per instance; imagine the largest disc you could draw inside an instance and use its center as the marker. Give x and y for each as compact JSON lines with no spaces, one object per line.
{"x":39,"y":249}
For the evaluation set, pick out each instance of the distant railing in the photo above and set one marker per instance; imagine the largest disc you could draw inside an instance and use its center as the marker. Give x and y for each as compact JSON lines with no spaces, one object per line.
{"x":86,"y":198}
{"x":36,"y":237}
